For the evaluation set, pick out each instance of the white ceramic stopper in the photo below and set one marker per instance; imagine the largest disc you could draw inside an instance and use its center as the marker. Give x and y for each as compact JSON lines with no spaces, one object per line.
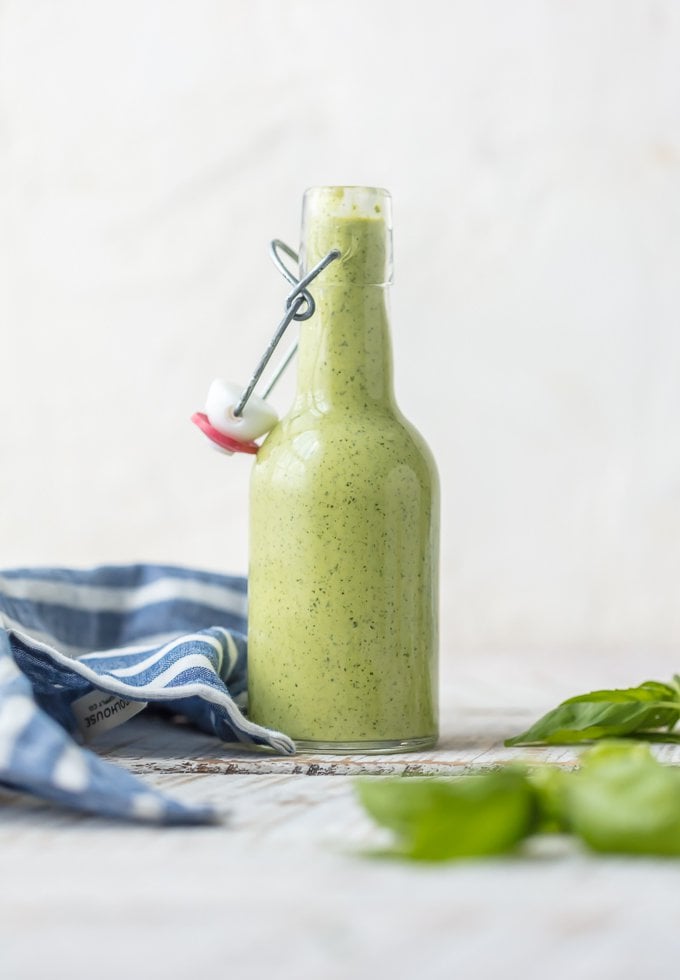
{"x":223,"y":397}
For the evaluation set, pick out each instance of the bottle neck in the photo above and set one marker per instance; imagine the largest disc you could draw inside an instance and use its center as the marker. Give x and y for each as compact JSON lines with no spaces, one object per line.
{"x":345,"y":356}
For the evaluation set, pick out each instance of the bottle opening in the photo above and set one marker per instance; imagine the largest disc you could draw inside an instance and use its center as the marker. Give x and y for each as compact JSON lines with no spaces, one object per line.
{"x":358,"y":222}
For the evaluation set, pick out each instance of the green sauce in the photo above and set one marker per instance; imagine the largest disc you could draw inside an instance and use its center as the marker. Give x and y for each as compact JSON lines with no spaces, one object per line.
{"x":344,"y":526}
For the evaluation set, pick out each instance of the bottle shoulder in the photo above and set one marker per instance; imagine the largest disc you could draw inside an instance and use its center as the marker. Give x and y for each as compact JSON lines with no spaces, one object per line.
{"x":355,"y":445}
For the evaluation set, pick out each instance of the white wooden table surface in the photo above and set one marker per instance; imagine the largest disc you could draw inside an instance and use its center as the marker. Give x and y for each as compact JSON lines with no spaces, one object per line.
{"x":281,"y":889}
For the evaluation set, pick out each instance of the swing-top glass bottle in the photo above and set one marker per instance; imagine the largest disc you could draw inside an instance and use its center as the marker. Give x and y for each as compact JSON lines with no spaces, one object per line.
{"x":342,"y":640}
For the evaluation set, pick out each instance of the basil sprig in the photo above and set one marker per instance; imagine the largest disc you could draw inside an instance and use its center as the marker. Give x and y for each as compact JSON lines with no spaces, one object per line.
{"x":621,"y":800}
{"x":436,"y":819}
{"x":649,"y":712}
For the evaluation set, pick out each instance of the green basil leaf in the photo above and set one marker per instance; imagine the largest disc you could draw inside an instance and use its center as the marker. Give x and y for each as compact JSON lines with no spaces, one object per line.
{"x":672,"y":738}
{"x":613,"y":750}
{"x":647,"y":691}
{"x":550,"y":785}
{"x":605,"y":714}
{"x":437,"y":820}
{"x":624,"y":801}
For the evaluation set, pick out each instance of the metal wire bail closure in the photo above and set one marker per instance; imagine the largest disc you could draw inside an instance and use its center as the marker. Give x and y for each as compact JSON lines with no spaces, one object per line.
{"x":223,"y":422}
{"x":296,"y":299}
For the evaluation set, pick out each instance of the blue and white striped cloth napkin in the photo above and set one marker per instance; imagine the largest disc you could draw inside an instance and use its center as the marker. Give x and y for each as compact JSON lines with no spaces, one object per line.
{"x":81,"y":649}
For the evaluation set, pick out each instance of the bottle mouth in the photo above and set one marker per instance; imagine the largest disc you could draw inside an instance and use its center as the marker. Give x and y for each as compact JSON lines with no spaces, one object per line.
{"x":358,"y":222}
{"x":351,"y":200}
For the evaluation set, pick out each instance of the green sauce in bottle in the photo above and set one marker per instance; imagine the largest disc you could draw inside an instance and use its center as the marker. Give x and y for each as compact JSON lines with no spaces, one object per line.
{"x":344,"y":510}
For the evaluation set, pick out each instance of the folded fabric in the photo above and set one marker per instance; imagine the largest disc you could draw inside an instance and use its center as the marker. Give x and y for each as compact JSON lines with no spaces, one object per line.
{"x":82,"y":650}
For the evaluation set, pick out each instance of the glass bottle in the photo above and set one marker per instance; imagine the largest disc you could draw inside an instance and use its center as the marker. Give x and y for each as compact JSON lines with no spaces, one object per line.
{"x":344,"y":515}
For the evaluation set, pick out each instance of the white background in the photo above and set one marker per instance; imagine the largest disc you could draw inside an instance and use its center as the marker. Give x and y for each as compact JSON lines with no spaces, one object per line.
{"x":150,"y":150}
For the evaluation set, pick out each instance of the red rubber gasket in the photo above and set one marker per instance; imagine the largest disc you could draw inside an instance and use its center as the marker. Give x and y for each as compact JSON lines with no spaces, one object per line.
{"x":224,"y":442}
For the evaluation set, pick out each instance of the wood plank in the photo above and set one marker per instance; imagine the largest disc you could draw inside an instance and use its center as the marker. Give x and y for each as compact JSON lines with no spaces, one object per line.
{"x":475,"y":739}
{"x":282,"y":886}
{"x":282,"y":889}
{"x":485,"y":699}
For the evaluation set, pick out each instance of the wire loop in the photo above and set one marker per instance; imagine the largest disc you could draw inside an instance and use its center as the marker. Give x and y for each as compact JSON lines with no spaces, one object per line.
{"x":300,"y":306}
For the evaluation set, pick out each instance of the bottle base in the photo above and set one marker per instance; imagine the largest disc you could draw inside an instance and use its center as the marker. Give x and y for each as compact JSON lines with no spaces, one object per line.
{"x":389,"y":747}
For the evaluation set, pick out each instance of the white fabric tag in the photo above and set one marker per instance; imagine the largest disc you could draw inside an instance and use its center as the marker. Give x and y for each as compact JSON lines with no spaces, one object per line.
{"x":100,"y":711}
